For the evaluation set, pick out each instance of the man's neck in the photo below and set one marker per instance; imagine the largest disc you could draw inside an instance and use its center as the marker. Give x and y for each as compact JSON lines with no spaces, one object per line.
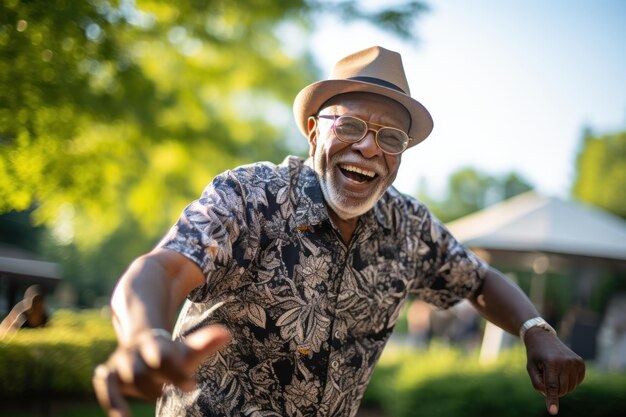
{"x":346,"y":227}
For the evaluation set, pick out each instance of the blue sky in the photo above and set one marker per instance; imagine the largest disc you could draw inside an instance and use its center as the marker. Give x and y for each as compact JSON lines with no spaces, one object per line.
{"x":510,"y":84}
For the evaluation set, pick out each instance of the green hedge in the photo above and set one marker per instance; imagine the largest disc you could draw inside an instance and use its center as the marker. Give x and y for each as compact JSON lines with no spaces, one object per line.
{"x":58,"y":359}
{"x":444,"y":382}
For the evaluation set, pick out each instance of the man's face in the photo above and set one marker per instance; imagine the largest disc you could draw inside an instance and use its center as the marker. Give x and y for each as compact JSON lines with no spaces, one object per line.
{"x":353,"y":176}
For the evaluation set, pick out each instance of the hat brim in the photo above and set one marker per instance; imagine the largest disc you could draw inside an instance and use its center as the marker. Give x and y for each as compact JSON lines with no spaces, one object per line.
{"x":309,"y":100}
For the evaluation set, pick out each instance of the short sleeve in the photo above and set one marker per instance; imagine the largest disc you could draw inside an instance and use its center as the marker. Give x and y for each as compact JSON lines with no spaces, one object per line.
{"x":448,"y":271}
{"x":211,"y":231}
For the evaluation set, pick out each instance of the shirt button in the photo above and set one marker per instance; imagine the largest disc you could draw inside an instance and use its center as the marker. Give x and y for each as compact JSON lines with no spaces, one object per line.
{"x":304,"y":352}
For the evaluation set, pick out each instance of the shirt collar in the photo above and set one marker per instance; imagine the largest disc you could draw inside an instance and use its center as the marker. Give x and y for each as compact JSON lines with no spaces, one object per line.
{"x":306,"y":194}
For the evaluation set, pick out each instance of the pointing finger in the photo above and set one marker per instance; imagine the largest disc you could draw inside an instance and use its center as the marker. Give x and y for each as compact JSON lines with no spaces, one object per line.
{"x":203,"y":343}
{"x":551,"y":384}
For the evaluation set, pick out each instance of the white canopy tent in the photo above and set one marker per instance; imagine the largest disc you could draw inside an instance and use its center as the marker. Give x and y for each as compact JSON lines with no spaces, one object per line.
{"x":540,"y":233}
{"x":535,"y":223}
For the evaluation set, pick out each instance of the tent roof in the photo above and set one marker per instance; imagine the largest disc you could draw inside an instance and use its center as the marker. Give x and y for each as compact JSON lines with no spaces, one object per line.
{"x":19,"y":262}
{"x":531,"y":222}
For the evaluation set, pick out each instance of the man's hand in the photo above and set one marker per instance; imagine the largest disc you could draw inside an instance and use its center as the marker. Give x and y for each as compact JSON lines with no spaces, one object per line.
{"x":141,"y":369}
{"x":553,"y":368}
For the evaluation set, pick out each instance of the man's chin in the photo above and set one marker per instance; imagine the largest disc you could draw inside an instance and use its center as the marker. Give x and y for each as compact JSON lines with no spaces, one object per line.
{"x":348,"y":204}
{"x":346,"y":210}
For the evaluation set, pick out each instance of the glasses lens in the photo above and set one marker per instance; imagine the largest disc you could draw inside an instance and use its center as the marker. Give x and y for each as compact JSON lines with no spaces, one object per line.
{"x":350,"y":129}
{"x":392,"y":140}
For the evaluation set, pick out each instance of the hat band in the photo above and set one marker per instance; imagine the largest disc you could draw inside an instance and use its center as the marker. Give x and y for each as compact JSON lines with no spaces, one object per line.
{"x":378,"y":81}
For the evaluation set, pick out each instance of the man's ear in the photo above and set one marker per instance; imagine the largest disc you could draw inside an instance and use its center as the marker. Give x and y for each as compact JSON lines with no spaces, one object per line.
{"x":312,"y":136}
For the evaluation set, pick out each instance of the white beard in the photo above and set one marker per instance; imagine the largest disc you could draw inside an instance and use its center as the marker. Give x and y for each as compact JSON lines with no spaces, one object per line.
{"x":342,"y":205}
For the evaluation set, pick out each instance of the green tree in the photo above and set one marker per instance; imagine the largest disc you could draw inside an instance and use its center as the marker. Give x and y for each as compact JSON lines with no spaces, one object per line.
{"x":114,"y":114}
{"x":601,"y":171}
{"x":470,"y":190}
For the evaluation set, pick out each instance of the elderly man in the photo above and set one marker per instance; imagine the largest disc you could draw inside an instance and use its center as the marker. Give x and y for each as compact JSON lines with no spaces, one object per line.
{"x":295,"y":273}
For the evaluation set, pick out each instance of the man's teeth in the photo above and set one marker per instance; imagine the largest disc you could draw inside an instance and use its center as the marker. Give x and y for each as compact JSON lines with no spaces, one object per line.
{"x":358,"y":170}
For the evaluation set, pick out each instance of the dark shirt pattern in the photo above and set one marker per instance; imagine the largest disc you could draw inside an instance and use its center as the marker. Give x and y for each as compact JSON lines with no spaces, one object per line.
{"x":309,"y":314}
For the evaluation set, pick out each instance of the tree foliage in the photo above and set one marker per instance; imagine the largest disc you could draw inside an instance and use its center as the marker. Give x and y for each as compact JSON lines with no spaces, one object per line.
{"x":109,"y":111}
{"x":471,"y":190}
{"x":601,"y":174}
{"x":115,"y":114}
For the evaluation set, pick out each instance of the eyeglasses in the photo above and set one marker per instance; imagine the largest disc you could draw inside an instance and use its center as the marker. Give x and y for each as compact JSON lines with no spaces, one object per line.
{"x":351,"y":129}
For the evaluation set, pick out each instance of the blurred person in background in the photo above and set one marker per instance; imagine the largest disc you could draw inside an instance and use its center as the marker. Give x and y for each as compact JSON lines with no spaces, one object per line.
{"x":294,"y":274}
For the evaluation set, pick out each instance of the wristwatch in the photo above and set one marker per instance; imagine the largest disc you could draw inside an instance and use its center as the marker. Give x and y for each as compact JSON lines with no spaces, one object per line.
{"x":535,"y":322}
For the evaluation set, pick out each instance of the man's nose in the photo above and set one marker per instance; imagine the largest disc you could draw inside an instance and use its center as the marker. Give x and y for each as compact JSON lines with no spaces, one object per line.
{"x":367,"y":146}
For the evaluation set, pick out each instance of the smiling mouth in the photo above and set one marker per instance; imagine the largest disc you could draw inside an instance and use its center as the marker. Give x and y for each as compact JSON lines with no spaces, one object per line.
{"x":357,"y":174}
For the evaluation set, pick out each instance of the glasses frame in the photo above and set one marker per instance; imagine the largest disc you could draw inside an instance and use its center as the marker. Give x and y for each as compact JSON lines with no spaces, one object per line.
{"x":335,"y":117}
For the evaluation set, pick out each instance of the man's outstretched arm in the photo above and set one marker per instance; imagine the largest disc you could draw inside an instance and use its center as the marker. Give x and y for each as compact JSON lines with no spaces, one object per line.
{"x":553,"y":368}
{"x":144,"y":303}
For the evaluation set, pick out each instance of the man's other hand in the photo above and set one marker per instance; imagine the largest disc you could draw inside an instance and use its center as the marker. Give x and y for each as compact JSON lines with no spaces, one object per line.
{"x":553,"y":368}
{"x":141,"y":368}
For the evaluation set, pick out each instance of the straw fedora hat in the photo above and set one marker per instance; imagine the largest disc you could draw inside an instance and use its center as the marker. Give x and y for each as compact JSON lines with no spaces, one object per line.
{"x":373,"y":70}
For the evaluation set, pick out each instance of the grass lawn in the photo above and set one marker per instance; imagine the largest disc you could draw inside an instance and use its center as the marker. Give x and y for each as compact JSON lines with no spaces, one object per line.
{"x":70,"y":409}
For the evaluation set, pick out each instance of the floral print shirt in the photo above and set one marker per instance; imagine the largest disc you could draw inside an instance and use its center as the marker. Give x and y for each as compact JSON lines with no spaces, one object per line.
{"x":309,"y":315}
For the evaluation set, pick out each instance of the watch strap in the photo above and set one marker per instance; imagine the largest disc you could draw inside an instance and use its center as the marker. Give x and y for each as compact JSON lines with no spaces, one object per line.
{"x":535,"y":322}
